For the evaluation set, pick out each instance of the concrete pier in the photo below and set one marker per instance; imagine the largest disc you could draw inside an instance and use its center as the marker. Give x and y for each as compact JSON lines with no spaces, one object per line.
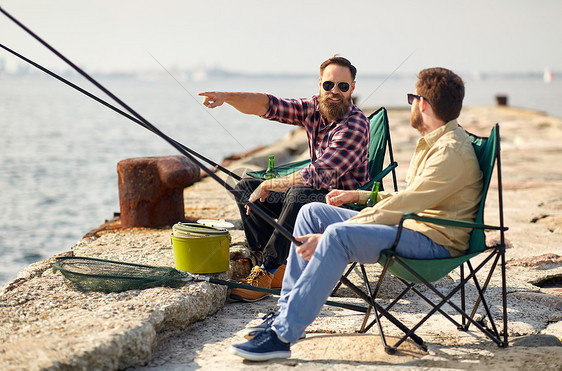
{"x":46,"y":325}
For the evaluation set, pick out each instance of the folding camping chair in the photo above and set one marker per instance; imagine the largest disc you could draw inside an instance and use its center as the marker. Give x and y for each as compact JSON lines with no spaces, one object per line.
{"x":380,"y":136}
{"x":412,"y":272}
{"x":378,"y":145}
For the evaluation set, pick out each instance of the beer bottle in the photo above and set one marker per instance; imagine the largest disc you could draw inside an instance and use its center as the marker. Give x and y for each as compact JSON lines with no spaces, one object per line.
{"x":270,"y":173}
{"x":373,"y":196}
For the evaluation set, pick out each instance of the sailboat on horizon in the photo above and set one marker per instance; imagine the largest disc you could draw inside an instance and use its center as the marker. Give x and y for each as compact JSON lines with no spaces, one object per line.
{"x":548,"y":76}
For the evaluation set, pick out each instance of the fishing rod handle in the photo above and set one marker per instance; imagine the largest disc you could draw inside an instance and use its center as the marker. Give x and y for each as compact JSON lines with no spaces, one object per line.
{"x":288,"y":235}
{"x":234,"y":284}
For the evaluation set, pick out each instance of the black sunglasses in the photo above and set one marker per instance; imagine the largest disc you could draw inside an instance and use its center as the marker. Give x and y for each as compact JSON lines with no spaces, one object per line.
{"x":329,"y":85}
{"x":411,"y":98}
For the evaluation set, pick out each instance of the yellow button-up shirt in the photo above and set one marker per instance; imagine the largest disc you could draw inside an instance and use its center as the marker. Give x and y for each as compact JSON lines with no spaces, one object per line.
{"x":444,"y":180}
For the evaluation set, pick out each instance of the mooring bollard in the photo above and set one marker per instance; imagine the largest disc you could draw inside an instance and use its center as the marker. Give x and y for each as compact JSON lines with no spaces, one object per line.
{"x":501,"y":100}
{"x":151,"y":190}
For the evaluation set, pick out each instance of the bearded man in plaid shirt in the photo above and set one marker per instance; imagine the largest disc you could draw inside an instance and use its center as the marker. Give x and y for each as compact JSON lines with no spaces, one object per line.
{"x":338,"y":141}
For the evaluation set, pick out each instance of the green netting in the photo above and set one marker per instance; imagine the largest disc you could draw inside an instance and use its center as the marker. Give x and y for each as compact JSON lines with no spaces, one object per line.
{"x":91,"y":274}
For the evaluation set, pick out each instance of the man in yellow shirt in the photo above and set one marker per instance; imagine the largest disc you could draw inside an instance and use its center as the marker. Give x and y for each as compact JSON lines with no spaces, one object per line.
{"x":444,"y":180}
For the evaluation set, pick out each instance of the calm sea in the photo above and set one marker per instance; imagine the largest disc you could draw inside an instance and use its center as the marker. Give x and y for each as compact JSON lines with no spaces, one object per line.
{"x":59,"y":149}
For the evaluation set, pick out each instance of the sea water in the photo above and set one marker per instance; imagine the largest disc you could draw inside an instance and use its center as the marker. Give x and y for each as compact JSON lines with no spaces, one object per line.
{"x":59,"y":149}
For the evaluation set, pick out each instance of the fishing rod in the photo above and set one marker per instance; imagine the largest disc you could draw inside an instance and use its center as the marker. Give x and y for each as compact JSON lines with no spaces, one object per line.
{"x":253,"y":207}
{"x":195,"y":99}
{"x":115,"y":109}
{"x":386,"y":78}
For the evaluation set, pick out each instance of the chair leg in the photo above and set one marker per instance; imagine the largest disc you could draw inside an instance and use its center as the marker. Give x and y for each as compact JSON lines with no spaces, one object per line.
{"x":427,"y":300}
{"x":485,"y":285}
{"x":500,"y":256}
{"x":365,"y":319}
{"x":418,"y":341}
{"x":345,"y":275}
{"x":481,"y":292}
{"x":409,"y":286}
{"x":463,"y":304}
{"x":504,"y":297}
{"x":384,"y":312}
{"x":388,"y":349}
{"x":446,"y":299}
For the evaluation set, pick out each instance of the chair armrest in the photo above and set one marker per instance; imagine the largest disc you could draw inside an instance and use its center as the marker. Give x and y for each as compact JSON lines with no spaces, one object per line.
{"x":451,"y":222}
{"x":387,"y":170}
{"x":379,"y":176}
{"x":369,"y":185}
{"x":282,"y":170}
{"x":441,"y":221}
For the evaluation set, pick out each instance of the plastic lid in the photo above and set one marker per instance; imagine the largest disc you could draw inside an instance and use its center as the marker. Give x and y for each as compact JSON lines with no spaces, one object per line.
{"x":221,"y":223}
{"x":195,"y":228}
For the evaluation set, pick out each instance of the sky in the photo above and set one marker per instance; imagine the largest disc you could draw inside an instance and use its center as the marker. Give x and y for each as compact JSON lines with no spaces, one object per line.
{"x":288,"y":36}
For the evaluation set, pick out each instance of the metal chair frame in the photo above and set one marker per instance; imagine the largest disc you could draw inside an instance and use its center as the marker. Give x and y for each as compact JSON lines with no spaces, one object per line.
{"x":397,"y":266}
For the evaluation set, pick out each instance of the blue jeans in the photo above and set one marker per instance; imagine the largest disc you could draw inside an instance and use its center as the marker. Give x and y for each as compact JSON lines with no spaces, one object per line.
{"x":284,"y":206}
{"x":307,"y":284}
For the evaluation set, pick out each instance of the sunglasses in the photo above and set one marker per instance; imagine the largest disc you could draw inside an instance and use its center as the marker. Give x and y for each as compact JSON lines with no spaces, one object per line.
{"x":329,"y":85}
{"x":411,"y":98}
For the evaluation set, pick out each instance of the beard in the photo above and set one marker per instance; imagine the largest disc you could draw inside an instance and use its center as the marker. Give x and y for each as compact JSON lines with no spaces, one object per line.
{"x":416,"y":119}
{"x":331,"y":110}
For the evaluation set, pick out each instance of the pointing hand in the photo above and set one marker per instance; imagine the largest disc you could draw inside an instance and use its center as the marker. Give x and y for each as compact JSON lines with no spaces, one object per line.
{"x":212,"y":99}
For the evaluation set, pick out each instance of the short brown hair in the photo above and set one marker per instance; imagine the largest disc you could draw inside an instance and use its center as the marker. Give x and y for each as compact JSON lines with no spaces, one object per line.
{"x":443,"y":89}
{"x":340,"y":61}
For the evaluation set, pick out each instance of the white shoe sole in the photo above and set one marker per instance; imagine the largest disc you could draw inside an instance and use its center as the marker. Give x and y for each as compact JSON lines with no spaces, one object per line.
{"x":260,"y":356}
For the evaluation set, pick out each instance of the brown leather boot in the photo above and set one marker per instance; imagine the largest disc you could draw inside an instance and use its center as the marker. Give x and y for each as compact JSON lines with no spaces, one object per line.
{"x":258,"y":277}
{"x":277,"y":281}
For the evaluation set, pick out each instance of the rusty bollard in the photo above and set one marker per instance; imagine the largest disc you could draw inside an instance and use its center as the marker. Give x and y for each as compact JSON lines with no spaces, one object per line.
{"x":151,"y":190}
{"x":501,"y":100}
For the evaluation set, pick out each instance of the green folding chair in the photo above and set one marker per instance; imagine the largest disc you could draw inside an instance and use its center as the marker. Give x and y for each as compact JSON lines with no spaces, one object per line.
{"x":378,"y":145}
{"x":412,"y":272}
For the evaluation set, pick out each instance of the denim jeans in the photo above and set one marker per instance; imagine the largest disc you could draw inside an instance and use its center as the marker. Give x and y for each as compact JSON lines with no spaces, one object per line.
{"x":283,"y":206}
{"x":307,"y":284}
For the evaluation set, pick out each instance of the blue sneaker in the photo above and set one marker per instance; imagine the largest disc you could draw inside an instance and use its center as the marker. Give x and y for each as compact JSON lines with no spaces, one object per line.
{"x":251,"y":332}
{"x":264,"y":346}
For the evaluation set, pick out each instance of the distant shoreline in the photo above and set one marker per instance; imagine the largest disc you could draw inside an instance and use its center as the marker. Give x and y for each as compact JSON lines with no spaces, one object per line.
{"x":216,"y":73}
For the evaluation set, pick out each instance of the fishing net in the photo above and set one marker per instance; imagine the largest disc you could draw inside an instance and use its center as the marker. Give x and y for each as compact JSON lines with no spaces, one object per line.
{"x":91,"y":274}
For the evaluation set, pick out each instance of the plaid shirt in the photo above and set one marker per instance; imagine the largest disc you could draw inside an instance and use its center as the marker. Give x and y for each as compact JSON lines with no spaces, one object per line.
{"x":339,"y":150}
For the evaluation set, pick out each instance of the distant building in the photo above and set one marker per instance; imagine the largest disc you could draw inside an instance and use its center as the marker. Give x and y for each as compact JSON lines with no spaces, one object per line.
{"x":22,"y":69}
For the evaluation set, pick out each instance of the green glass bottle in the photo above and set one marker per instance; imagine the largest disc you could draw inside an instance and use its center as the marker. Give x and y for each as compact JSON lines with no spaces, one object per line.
{"x":270,"y":173}
{"x":373,"y":196}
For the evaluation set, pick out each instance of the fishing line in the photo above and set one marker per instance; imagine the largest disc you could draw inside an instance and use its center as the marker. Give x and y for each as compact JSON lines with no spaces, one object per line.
{"x":115,"y":109}
{"x":386,"y":78}
{"x":197,"y":100}
{"x":255,"y":208}
{"x":176,"y":145}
